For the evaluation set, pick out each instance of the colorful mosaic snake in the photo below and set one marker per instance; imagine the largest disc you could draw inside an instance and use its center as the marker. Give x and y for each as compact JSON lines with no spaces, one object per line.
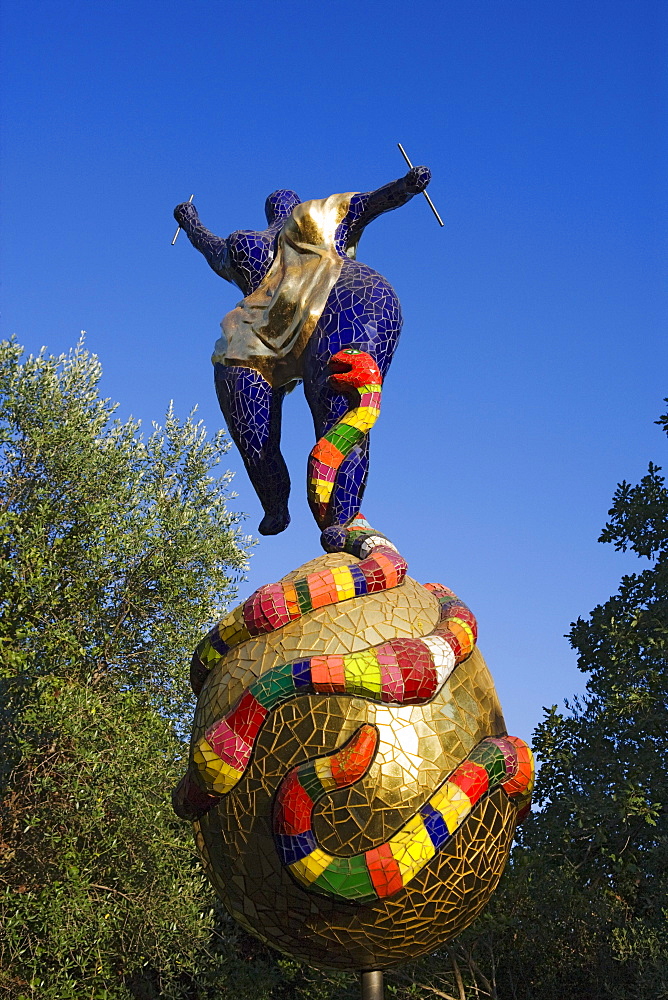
{"x":384,"y":870}
{"x":399,"y":672}
{"x":274,"y":605}
{"x":396,"y":672}
{"x":353,"y":371}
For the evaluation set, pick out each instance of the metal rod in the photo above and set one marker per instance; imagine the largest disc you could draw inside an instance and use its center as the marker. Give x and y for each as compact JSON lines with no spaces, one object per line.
{"x":372,"y":985}
{"x":179,"y":229}
{"x":429,"y":201}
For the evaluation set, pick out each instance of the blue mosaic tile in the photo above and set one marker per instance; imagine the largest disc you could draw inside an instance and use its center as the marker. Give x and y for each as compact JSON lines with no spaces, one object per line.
{"x":301,"y":674}
{"x":435,"y":825}
{"x":362,"y":311}
{"x":294,"y":847}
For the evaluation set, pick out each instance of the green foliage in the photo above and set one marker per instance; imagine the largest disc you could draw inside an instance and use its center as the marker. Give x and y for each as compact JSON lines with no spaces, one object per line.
{"x":116,"y":553}
{"x":583,"y":908}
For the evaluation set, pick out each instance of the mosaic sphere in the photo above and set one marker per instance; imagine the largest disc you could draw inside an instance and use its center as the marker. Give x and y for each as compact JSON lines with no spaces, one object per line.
{"x":418,"y":747}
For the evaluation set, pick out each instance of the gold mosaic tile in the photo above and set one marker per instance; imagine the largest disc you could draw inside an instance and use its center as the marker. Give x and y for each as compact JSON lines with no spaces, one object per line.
{"x":418,"y":746}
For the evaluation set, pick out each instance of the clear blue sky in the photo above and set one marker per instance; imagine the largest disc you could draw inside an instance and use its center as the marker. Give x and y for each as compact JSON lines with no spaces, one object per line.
{"x":533,"y":358}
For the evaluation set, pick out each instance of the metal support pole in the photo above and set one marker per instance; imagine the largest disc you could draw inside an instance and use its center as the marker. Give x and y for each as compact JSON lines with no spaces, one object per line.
{"x":372,"y":985}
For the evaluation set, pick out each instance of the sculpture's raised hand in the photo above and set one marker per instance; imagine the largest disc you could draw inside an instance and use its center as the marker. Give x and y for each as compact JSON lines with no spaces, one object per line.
{"x":186,"y":212}
{"x":417,"y":179}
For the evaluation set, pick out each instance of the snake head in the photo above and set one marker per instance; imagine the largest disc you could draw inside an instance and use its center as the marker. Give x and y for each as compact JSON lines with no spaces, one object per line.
{"x":352,"y":369}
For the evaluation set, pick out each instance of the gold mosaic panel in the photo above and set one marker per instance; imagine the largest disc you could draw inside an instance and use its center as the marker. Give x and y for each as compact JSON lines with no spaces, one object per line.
{"x":419,"y":745}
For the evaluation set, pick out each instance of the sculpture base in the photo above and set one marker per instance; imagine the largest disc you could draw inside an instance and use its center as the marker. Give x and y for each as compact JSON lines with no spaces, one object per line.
{"x":372,"y":985}
{"x":419,"y":746}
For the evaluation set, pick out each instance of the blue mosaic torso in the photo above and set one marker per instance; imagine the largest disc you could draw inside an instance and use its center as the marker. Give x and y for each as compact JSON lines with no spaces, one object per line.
{"x":362,"y":310}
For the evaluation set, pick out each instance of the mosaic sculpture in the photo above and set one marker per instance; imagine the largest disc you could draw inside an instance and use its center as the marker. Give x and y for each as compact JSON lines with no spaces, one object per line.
{"x":353,"y":789}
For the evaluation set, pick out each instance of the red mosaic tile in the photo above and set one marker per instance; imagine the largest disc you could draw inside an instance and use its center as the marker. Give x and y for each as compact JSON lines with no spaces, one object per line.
{"x":247,"y":717}
{"x":472,"y":778}
{"x":294,"y":807}
{"x":384,"y":870}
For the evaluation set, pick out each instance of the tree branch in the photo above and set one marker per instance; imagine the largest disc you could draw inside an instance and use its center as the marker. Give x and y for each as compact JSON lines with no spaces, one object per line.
{"x":421,"y":986}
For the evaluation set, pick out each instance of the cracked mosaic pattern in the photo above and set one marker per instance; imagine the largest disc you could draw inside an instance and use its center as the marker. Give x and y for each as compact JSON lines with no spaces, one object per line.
{"x":270,"y":607}
{"x":384,"y":870}
{"x":356,"y":374}
{"x":353,"y":789}
{"x":405,"y":816}
{"x":401,"y":672}
{"x":362,"y":312}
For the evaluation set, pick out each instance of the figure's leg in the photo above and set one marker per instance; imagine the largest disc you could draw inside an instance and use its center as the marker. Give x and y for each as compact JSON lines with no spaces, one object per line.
{"x":252,"y":411}
{"x":362,"y":311}
{"x":327,"y":407}
{"x":350,"y":485}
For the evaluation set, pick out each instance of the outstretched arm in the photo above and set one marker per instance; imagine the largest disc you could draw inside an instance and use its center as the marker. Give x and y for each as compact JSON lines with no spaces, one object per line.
{"x":213,"y":247}
{"x":364,"y":208}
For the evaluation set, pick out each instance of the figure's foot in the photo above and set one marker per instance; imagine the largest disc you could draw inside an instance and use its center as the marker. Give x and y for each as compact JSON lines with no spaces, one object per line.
{"x":274,"y":524}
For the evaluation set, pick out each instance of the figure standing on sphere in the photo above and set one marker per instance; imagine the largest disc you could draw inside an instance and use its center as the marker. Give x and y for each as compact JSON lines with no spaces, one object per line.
{"x":323,"y":834}
{"x":306,"y":299}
